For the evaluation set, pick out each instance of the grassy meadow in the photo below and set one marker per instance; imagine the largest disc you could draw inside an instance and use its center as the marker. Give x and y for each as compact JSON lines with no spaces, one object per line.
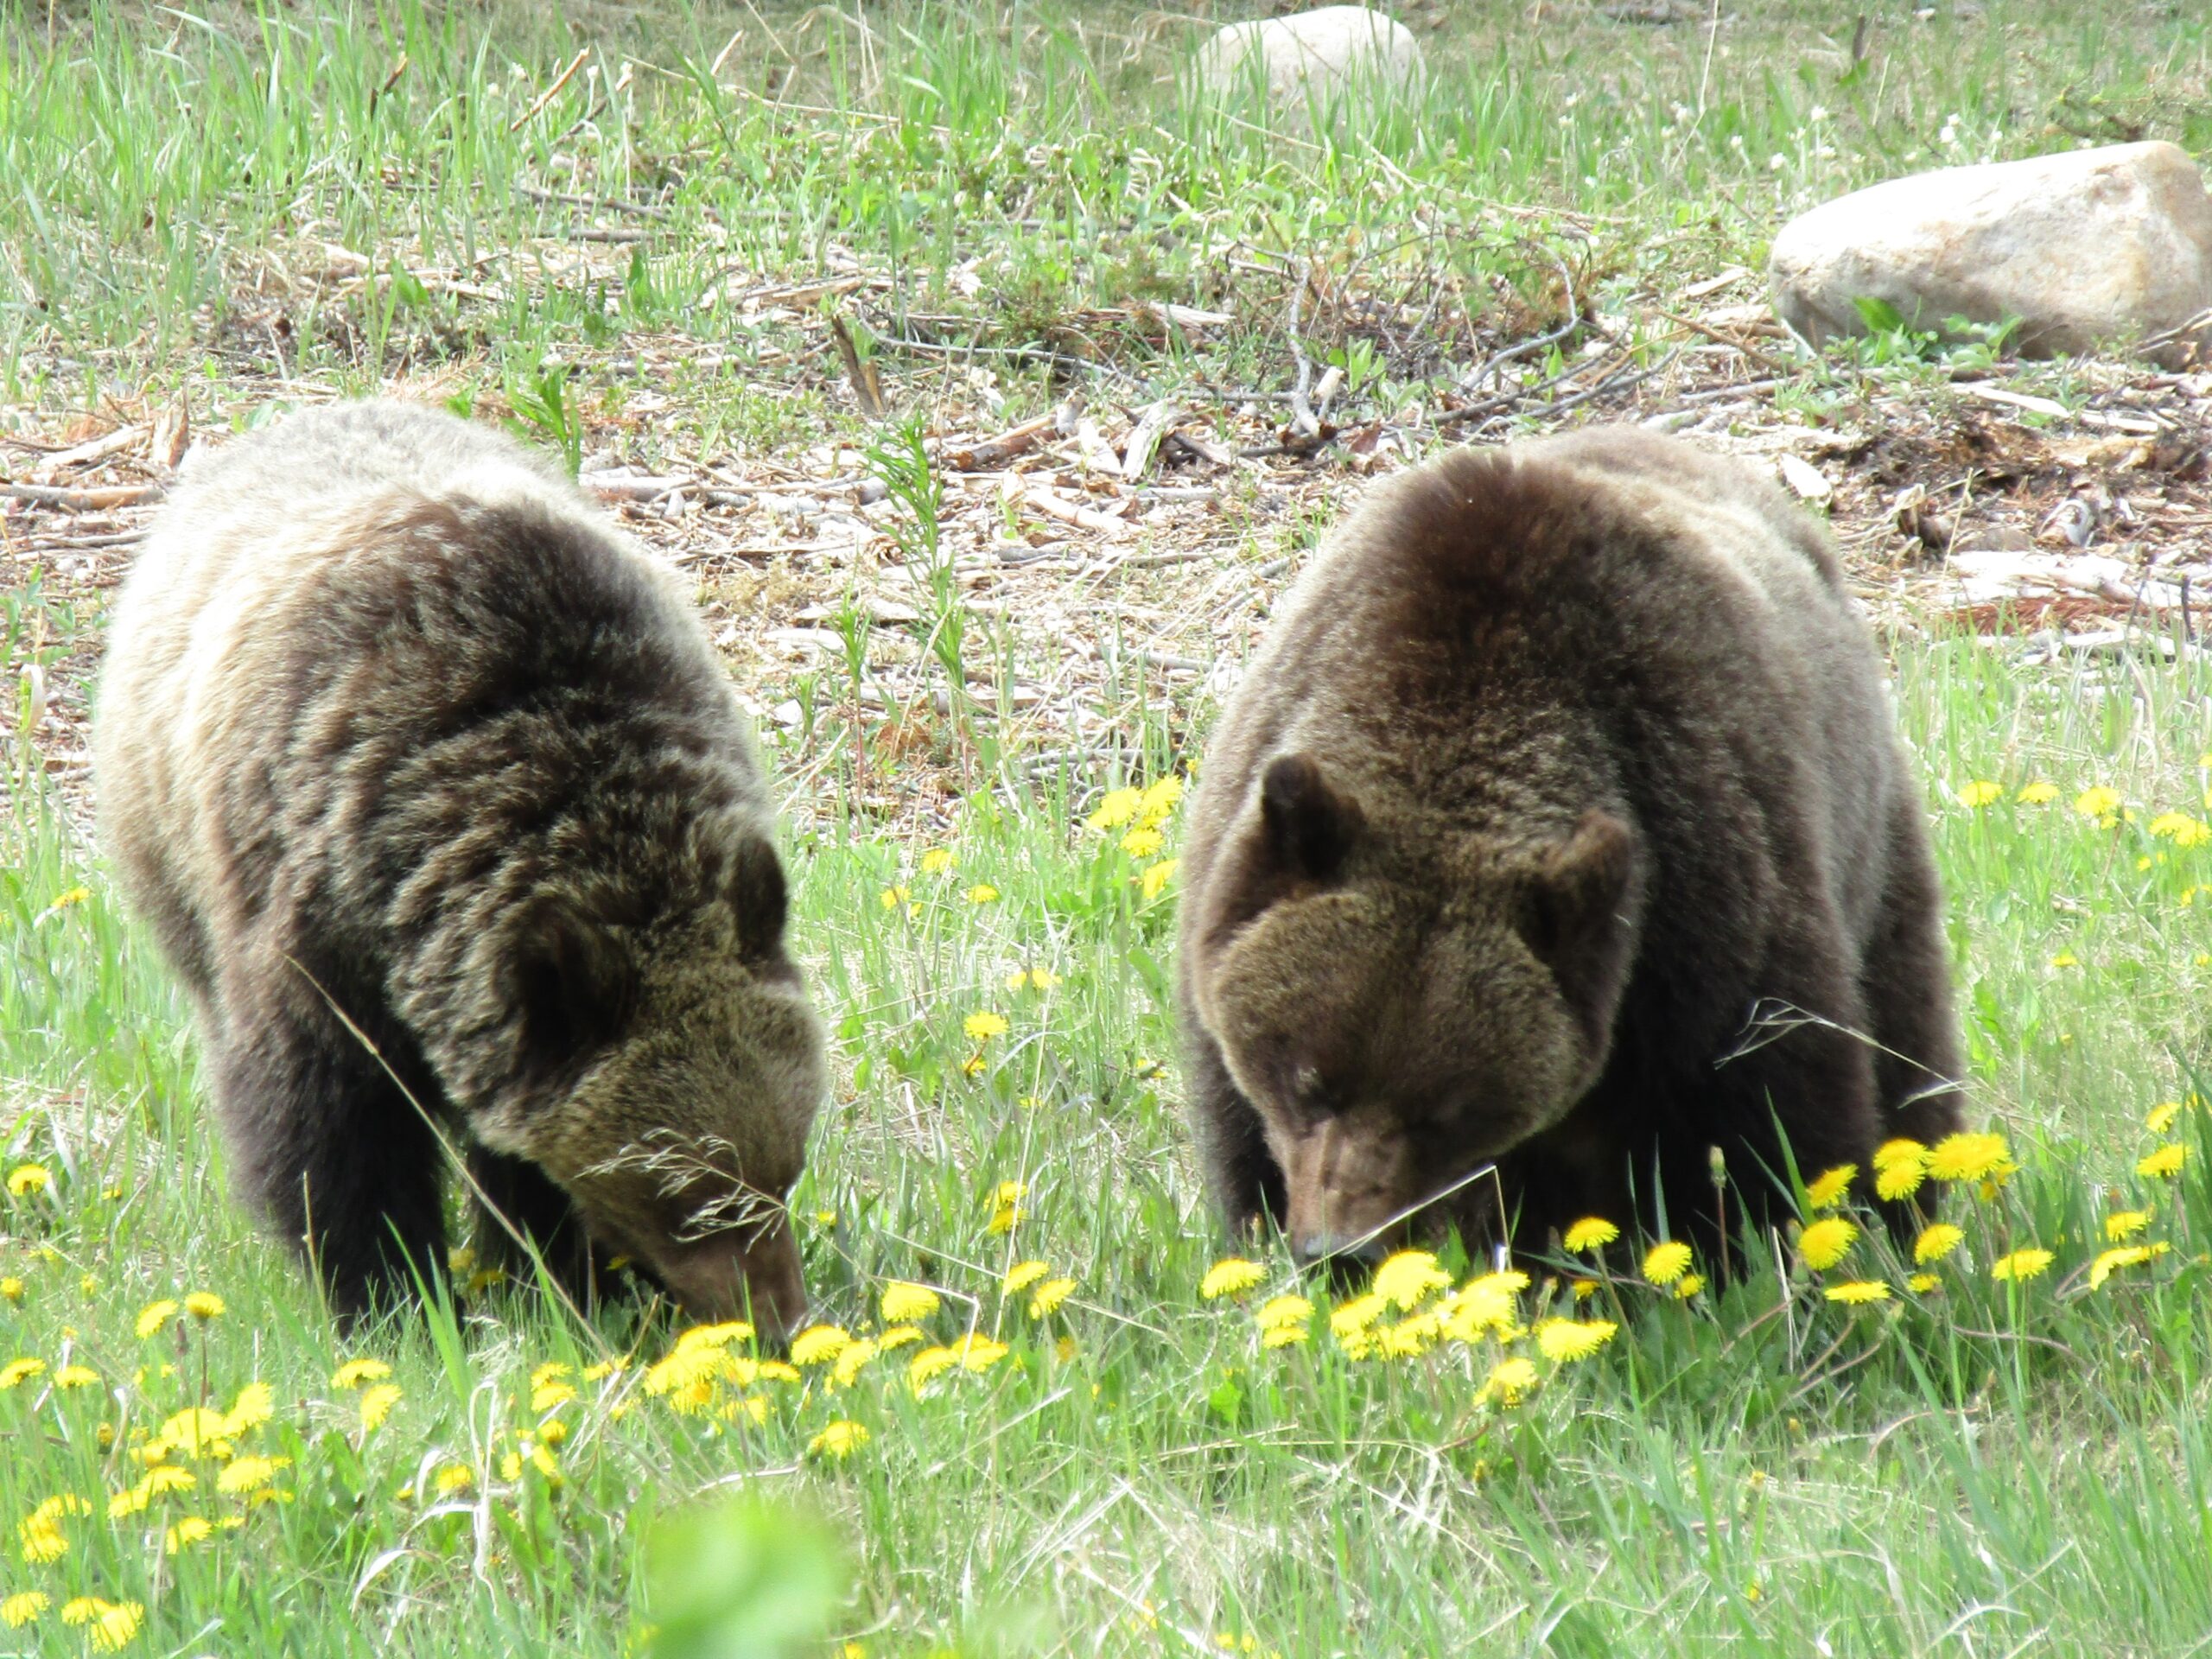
{"x":1043,"y":1413}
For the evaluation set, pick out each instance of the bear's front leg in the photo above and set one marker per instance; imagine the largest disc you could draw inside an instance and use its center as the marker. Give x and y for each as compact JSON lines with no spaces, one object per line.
{"x":1242,"y":1175}
{"x":340,"y":1164}
{"x":519,"y":1209}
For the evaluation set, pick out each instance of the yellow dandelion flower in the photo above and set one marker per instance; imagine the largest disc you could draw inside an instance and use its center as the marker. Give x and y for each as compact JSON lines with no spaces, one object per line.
{"x":892,"y":898}
{"x":205,"y":1305}
{"x":1284,"y":1336}
{"x":937,"y":862}
{"x":1049,"y":1296}
{"x":2123,"y":1225}
{"x":2066,"y":959}
{"x":76,"y":1376}
{"x":904,"y":1302}
{"x":376,"y":1401}
{"x":838,"y":1440}
{"x":1152,"y":880}
{"x":1409,"y":1337}
{"x":1591,"y":1233}
{"x":1355,"y":1317}
{"x":1935,"y":1242}
{"x":2038,"y":793}
{"x":974,"y":1066}
{"x":982,"y":893}
{"x":1689,"y":1285}
{"x":2165,"y":1163}
{"x":1858,"y":1292}
{"x":1832,"y":1186}
{"x":16,"y":1372}
{"x":452,"y":1480}
{"x":189,"y":1530}
{"x":24,"y":1180}
{"x":2021,"y":1265}
{"x":254,"y":1405}
{"x":1922,"y":1283}
{"x":62,"y":1504}
{"x":775,"y":1370}
{"x":1582,"y":1289}
{"x":2184,"y":829}
{"x":11,"y":1289}
{"x":1901,"y":1179}
{"x":1116,"y":809}
{"x":23,"y":1607}
{"x":897,"y":1336}
{"x":549,"y":1396}
{"x":1020,"y":1276}
{"x":928,"y":1365}
{"x":1665,"y":1262}
{"x":2110,"y":1262}
{"x":154,"y":1316}
{"x":1966,"y":1157}
{"x":1409,"y":1278}
{"x":2098,"y":801}
{"x":1033,"y":979}
{"x":1143,"y":841}
{"x":1231,"y":1276}
{"x":983,"y":1026}
{"x":818,"y":1345}
{"x":1279,"y":1310}
{"x":604,"y":1369}
{"x":41,"y":1541}
{"x":2160,"y":1118}
{"x":1902,"y":1150}
{"x":117,"y":1624}
{"x":248,"y":1475}
{"x":194,"y":1430}
{"x":1481,"y":1304}
{"x":978,"y":1352}
{"x":1566,"y":1340}
{"x":852,"y":1361}
{"x":1510,"y":1381}
{"x":1979,"y":793}
{"x":1826,"y":1242}
{"x":1158,"y":799}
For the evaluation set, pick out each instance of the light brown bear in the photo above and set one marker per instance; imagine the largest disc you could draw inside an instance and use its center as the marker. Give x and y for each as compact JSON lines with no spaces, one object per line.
{"x":1560,"y":824}
{"x":429,"y":784}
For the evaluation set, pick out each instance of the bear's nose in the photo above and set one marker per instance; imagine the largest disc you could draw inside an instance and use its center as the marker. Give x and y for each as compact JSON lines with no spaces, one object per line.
{"x":1338,"y":1251}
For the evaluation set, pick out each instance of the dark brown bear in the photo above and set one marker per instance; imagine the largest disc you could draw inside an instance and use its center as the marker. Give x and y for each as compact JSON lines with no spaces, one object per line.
{"x":1560,"y":823}
{"x":397,"y":736}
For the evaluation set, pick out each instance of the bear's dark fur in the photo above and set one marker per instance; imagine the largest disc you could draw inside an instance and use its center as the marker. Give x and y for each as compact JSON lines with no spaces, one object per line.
{"x":1559,"y":822}
{"x":395,"y":727}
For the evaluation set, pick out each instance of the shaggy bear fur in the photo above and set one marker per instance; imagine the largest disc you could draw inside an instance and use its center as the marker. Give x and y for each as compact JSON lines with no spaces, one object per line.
{"x":428,"y":784}
{"x":1560,"y":824}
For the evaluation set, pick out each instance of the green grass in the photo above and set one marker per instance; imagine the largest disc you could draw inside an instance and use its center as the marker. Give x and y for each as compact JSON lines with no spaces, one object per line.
{"x":1990,"y":1468}
{"x":1986,"y":1470}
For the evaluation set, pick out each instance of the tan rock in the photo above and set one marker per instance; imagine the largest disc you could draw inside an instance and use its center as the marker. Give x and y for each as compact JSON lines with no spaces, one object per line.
{"x":1312,"y":59}
{"x":2086,"y":247}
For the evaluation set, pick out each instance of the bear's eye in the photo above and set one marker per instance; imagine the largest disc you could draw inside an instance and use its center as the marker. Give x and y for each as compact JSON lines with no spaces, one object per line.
{"x":1310,"y":1091}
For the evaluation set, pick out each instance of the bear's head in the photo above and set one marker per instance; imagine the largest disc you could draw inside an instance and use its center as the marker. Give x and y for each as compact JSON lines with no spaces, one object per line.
{"x":667,"y":1071}
{"x":1402,"y":1001}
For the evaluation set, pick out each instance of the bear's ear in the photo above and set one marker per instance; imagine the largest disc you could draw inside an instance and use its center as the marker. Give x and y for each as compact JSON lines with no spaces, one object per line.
{"x":1574,"y":899}
{"x":1306,"y":826}
{"x":575,"y":985}
{"x":759,"y":898}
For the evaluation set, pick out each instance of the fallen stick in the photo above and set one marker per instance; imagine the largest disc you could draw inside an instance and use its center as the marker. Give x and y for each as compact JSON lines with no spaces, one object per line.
{"x":47,"y":495}
{"x":1069,"y":513}
{"x":85,"y":454}
{"x":996,"y":452}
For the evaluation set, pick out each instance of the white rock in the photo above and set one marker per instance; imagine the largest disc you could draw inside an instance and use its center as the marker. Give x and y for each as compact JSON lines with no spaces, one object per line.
{"x":1312,"y":60}
{"x":2086,"y":247}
